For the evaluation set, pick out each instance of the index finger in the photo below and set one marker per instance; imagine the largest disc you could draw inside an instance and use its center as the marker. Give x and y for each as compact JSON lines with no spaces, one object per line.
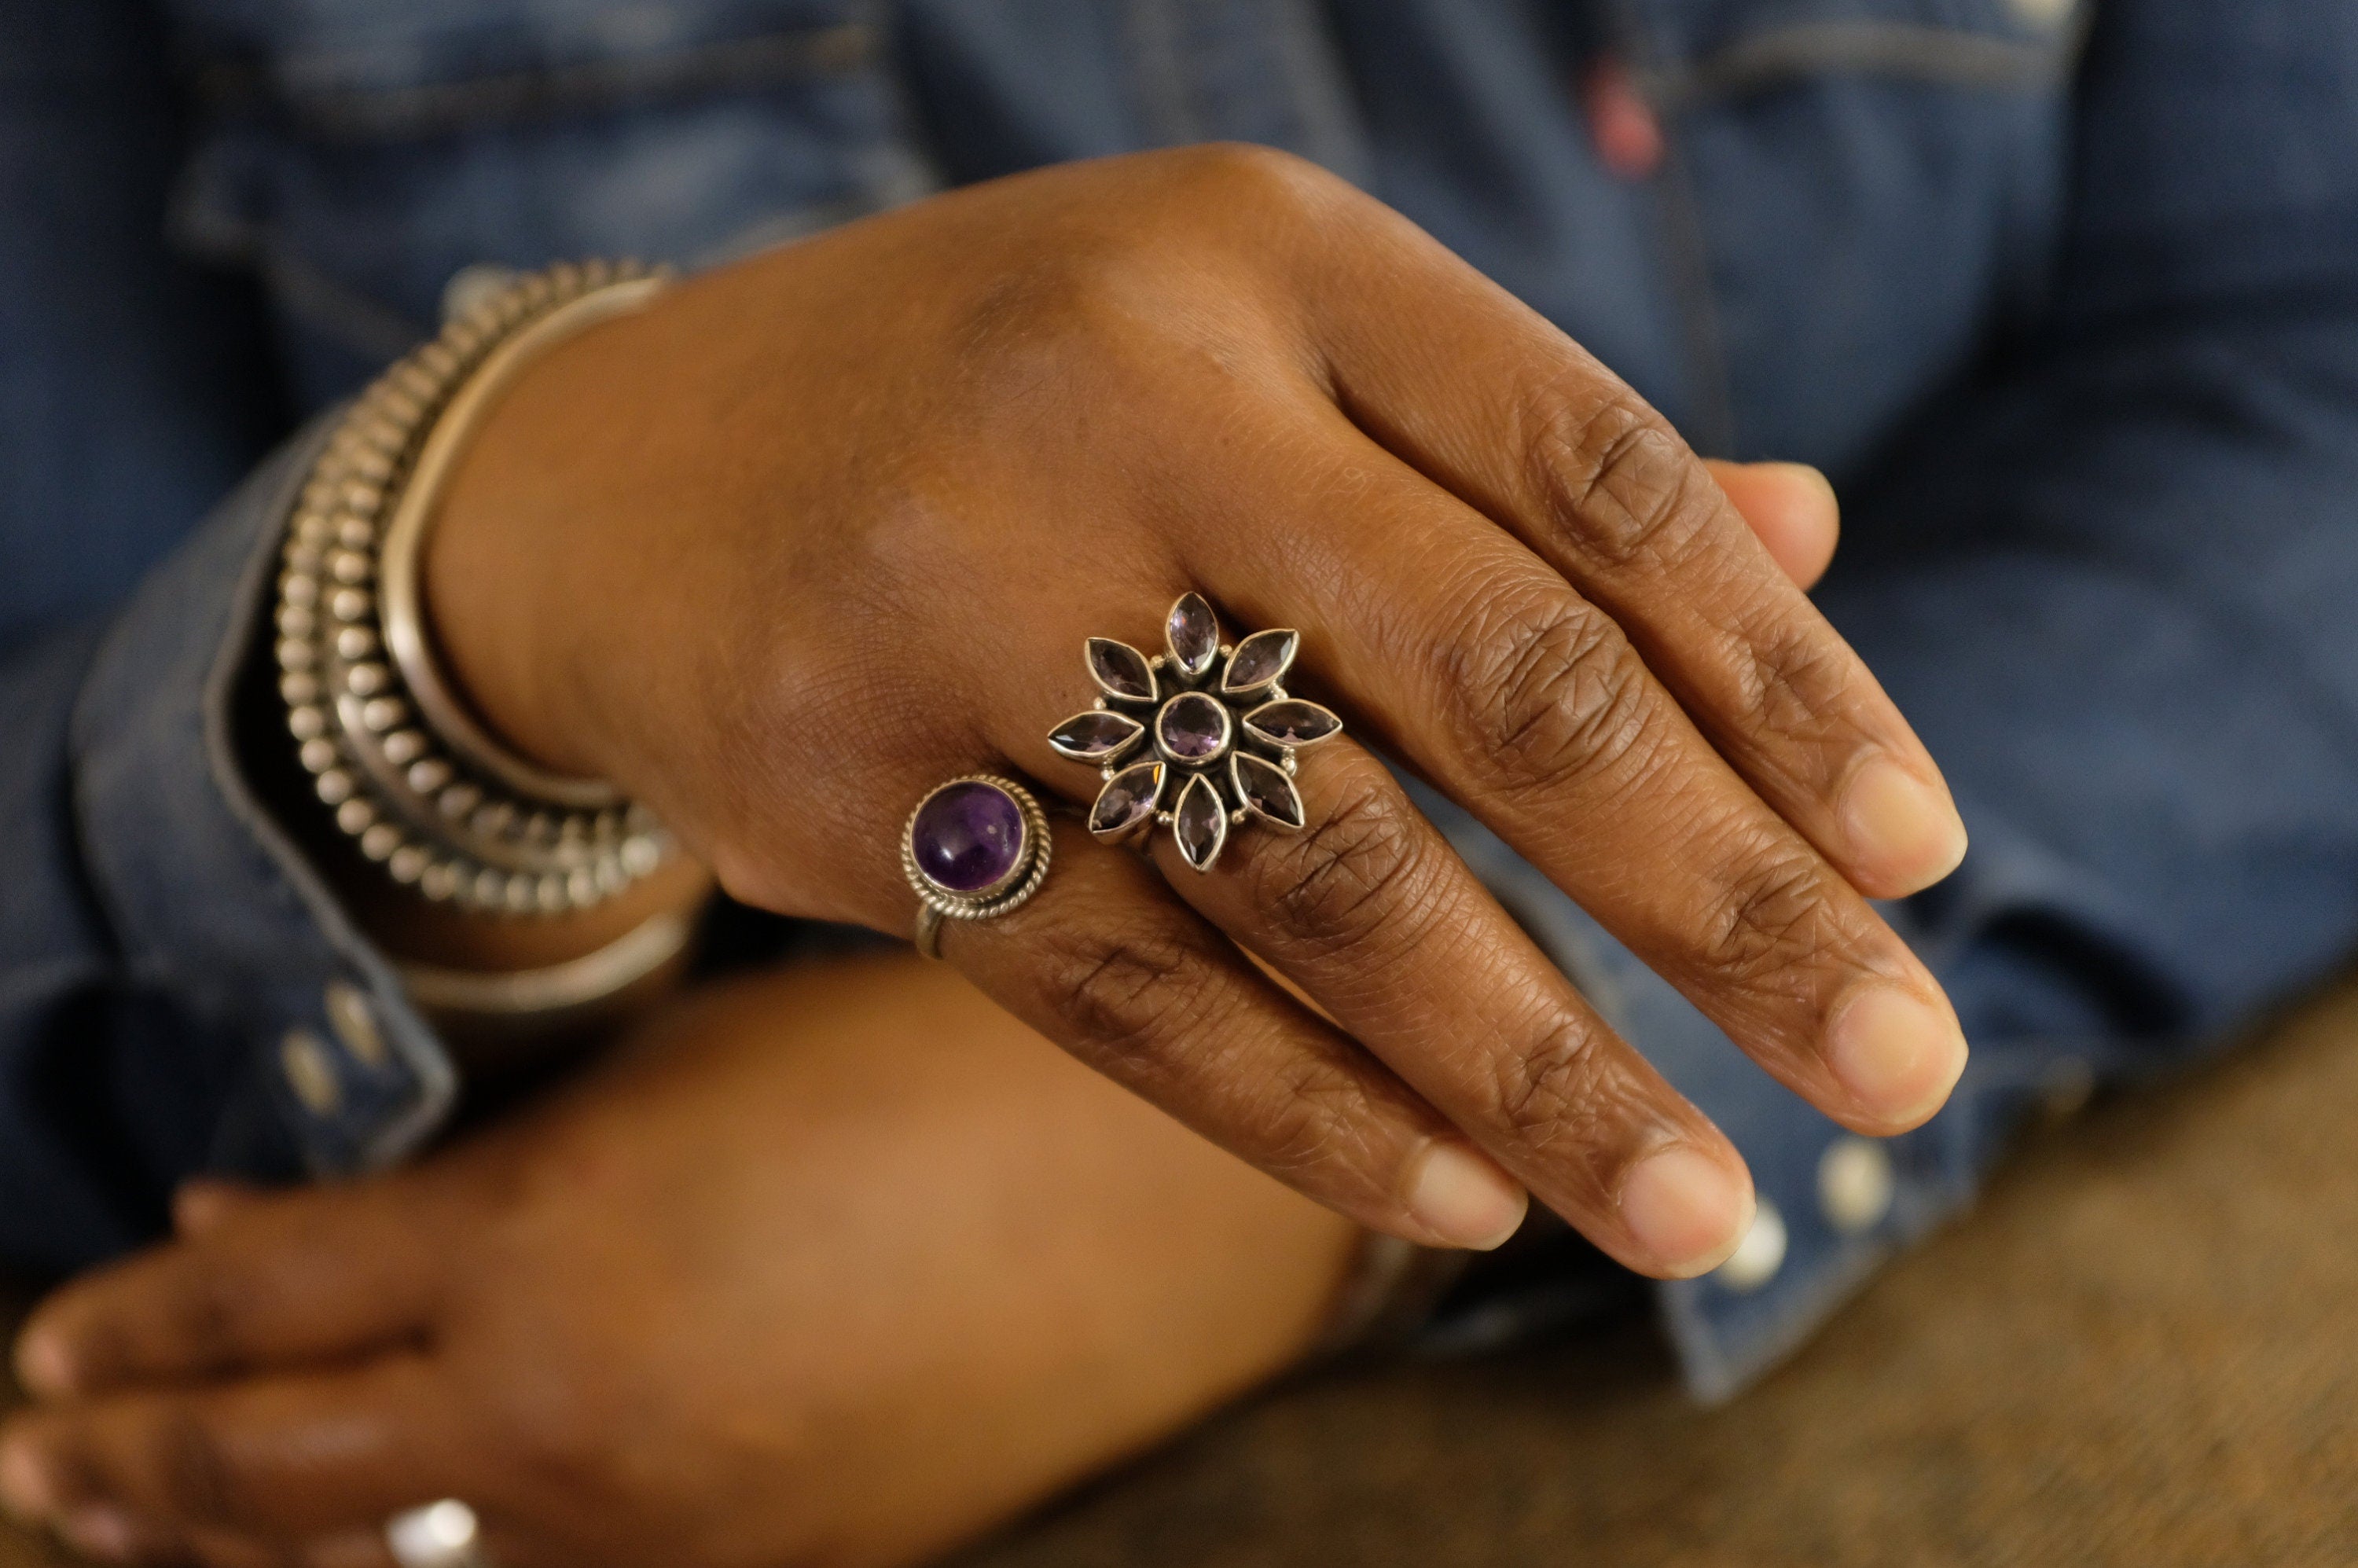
{"x":311,"y":1275}
{"x":1490,"y":401}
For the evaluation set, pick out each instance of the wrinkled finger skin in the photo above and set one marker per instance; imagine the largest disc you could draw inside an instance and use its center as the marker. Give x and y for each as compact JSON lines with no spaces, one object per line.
{"x":832,"y":1266}
{"x":816,"y":532}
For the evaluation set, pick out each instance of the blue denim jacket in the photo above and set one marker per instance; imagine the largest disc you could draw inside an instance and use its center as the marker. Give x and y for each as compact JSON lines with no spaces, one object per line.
{"x":2066,"y":302}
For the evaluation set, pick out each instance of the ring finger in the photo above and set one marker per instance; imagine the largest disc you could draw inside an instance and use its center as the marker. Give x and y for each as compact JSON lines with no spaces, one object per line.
{"x":1372,"y":913}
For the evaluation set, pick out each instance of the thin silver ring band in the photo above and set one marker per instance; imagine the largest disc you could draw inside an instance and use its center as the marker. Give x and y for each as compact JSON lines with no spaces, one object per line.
{"x":444,"y":1534}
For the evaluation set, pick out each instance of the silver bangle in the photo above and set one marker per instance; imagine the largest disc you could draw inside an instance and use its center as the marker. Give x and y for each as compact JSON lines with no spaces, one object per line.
{"x":570,"y":986}
{"x":409,"y":772}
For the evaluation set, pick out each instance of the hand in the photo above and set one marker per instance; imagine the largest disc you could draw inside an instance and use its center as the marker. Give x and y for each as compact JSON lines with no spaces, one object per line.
{"x":839,"y":1266}
{"x":822,"y":530}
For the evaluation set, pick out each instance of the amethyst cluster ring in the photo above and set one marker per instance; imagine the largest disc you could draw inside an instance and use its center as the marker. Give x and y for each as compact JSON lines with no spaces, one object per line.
{"x":1201,"y":738}
{"x":977,"y":846}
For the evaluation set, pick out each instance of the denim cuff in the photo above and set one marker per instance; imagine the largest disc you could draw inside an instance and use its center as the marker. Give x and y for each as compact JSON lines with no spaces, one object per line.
{"x":211,"y":898}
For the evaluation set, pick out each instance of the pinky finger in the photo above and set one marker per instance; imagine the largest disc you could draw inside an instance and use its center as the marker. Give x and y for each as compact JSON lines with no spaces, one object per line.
{"x":1111,"y":966}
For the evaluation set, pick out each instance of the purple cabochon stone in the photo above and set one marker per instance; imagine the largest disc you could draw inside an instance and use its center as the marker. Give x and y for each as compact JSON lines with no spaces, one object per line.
{"x":1293,"y":722}
{"x":1127,"y":799}
{"x":1193,"y":727}
{"x":1121,"y":669}
{"x":967,"y":837}
{"x":1194,"y":635}
{"x":1091,"y":737}
{"x":1268,"y":791}
{"x":1201,"y":823}
{"x":1259,"y":659}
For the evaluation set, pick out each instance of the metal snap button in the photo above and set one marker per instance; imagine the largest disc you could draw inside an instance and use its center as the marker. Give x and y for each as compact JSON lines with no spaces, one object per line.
{"x":353,"y":1018}
{"x":303,"y":1059}
{"x":1760,"y":1255}
{"x":1855,"y":1184}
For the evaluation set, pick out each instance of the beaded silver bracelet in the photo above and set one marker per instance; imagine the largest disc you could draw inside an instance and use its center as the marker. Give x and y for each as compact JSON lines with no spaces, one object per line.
{"x":411,"y":775}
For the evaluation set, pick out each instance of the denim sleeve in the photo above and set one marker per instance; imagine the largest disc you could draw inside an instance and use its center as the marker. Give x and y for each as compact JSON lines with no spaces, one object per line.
{"x":176,"y":990}
{"x":179,"y":991}
{"x":2111,"y":580}
{"x":2113,"y":583}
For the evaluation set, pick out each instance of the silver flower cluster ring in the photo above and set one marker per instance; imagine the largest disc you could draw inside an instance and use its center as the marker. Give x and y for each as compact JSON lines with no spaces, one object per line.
{"x":1198,"y":739}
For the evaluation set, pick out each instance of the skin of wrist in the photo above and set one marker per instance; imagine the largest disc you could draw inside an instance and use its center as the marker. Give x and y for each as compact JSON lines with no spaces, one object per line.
{"x":494,"y":587}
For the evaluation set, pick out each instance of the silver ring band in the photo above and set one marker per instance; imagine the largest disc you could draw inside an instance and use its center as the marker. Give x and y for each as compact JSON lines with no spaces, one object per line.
{"x":443,"y":1534}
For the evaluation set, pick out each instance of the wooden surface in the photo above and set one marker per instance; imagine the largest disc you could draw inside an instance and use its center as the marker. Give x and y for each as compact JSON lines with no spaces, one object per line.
{"x":2141,"y":1350}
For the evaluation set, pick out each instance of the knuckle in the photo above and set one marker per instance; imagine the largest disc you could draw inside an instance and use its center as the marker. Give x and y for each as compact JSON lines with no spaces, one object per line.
{"x":1557,"y":690}
{"x":1778,"y":922}
{"x":192,"y":1470}
{"x":1317,"y":1119}
{"x":1265,"y":179}
{"x":551,"y":1428}
{"x":210,"y":1316}
{"x":1342,"y":882}
{"x":1123,"y":990}
{"x":1558,"y":1092}
{"x":1614,"y":479}
{"x":1795,"y":681}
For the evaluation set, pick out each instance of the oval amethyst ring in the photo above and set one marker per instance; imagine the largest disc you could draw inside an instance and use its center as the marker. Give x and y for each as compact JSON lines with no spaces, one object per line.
{"x":976,"y":848}
{"x":1202,"y":738}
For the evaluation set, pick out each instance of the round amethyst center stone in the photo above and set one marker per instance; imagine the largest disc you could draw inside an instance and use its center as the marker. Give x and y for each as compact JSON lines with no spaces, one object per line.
{"x":968,"y":837}
{"x":1193,"y":728}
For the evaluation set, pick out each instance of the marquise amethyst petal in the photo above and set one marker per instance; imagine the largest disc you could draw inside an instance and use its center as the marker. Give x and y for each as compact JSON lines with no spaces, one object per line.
{"x":1194,"y":633}
{"x":1095,"y":736}
{"x":1266,"y":791}
{"x":1193,"y":727}
{"x":1120,"y":670}
{"x":1261,"y":660}
{"x":1293,"y":722}
{"x":1201,"y":823}
{"x":967,"y":837}
{"x":1127,"y":799}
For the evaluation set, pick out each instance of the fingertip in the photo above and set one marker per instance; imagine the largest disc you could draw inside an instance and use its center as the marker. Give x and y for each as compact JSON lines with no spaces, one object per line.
{"x":1899,"y":1054}
{"x":1462,"y":1199}
{"x":106,"y":1534}
{"x":45,"y":1364}
{"x":28,"y":1492}
{"x":1902,"y":831}
{"x":204,"y":1203}
{"x":1687,"y":1210}
{"x":1793,"y":511}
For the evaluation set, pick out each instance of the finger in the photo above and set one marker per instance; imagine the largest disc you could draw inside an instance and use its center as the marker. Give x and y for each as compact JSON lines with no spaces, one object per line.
{"x":1477,"y":392}
{"x":1472,"y":660}
{"x":1106,"y":963}
{"x":273,"y":1459}
{"x":1790,"y":509}
{"x":306,"y":1275}
{"x":105,"y":1533}
{"x":201,"y":1205}
{"x":1373,"y":914}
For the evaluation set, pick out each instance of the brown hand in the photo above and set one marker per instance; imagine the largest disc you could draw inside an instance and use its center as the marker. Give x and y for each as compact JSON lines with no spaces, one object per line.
{"x":821,"y":531}
{"x":840,"y":1266}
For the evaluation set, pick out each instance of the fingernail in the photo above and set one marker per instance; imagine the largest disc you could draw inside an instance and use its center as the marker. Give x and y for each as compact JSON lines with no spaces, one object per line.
{"x":26,"y":1490}
{"x":102,"y":1532}
{"x":1901,"y":829}
{"x":1897,"y":1053}
{"x":1686,"y":1209}
{"x":1465,"y":1200}
{"x":44,"y":1365}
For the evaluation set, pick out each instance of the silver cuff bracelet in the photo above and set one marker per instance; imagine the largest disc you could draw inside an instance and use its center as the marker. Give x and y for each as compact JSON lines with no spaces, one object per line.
{"x":410,"y":774}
